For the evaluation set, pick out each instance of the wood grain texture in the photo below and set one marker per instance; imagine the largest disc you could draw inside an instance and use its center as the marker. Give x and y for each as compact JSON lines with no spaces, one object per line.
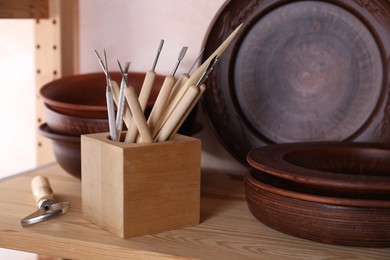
{"x":24,"y":9}
{"x":56,"y":56}
{"x":41,"y":189}
{"x":136,"y":189}
{"x":227,"y":229}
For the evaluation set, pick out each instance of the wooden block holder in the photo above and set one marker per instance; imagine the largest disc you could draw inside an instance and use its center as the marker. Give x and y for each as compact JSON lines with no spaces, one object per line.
{"x":134,"y":189}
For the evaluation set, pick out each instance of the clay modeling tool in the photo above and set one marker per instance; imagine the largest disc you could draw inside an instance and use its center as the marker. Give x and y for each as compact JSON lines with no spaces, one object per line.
{"x":183,"y":78}
{"x":162,"y":98}
{"x":176,"y":116}
{"x":109,"y":97}
{"x":121,"y":102}
{"x":202,"y":89}
{"x":144,"y":94}
{"x":186,"y":104}
{"x":193,"y":80}
{"x":136,"y":110}
{"x":47,"y":206}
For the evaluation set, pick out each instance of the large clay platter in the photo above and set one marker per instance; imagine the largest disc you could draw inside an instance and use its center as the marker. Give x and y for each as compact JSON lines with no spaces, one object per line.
{"x":300,"y":71}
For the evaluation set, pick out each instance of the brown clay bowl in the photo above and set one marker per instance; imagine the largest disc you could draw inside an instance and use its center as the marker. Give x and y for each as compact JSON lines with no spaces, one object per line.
{"x":320,"y":217}
{"x":72,"y":125}
{"x":84,"y":95}
{"x":338,"y":167}
{"x":66,"y":150}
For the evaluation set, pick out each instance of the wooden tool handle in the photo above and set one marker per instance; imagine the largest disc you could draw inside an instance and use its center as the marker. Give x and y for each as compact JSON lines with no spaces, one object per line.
{"x":138,"y":115}
{"x":170,"y":107}
{"x":146,"y":88}
{"x":177,"y":114}
{"x":161,"y":101}
{"x":143,"y":98}
{"x":41,"y":189}
{"x":179,"y":84}
{"x":202,"y":89}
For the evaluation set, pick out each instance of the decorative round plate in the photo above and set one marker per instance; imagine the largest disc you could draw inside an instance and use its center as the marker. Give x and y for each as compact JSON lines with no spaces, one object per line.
{"x":300,"y":71}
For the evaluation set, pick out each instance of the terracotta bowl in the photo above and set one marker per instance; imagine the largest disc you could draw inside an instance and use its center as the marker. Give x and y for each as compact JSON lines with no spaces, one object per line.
{"x":317,"y":216}
{"x":72,"y":98}
{"x":338,"y":167}
{"x":66,"y":150}
{"x":72,"y":125}
{"x":84,"y":95}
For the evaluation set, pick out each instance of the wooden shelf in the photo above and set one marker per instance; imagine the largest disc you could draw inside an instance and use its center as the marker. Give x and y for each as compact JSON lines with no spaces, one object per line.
{"x":24,"y":9}
{"x":227,"y":229}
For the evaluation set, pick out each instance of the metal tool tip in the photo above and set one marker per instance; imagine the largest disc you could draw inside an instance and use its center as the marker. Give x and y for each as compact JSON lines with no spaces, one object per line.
{"x":120,"y":66}
{"x":127,"y":65}
{"x":161,"y":45}
{"x":183,"y":52}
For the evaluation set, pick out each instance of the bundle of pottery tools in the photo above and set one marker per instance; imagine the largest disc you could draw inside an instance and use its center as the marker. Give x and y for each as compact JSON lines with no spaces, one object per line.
{"x":174,"y":102}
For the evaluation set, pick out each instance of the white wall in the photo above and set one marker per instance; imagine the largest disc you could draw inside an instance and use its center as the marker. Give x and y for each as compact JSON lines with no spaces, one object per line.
{"x":132,"y":29}
{"x":17,"y":105}
{"x":17,"y":96}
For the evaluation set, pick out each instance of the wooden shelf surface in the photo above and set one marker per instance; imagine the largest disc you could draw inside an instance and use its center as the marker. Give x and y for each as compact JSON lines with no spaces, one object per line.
{"x":227,"y":229}
{"x":24,"y":9}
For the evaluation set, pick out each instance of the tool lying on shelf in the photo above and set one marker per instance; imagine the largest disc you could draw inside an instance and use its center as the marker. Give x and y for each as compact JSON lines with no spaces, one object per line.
{"x":174,"y":102}
{"x":47,"y":206}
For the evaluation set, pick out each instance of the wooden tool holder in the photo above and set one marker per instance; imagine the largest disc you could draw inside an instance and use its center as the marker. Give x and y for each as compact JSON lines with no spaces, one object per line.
{"x":133,"y":189}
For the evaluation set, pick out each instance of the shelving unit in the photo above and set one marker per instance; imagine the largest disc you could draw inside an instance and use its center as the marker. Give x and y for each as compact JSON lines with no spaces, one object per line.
{"x":56,"y":48}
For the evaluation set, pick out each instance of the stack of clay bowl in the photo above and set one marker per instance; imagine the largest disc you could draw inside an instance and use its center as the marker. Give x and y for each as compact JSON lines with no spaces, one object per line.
{"x":76,"y":105}
{"x":330,"y":192}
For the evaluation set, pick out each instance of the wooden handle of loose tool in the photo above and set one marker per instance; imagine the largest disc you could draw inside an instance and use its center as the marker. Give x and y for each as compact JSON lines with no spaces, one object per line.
{"x":41,"y":189}
{"x":138,"y":115}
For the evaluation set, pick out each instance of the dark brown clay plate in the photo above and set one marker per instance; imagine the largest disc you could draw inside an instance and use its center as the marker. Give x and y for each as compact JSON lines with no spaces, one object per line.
{"x":300,"y":71}
{"x":339,"y":167}
{"x":318,"y":217}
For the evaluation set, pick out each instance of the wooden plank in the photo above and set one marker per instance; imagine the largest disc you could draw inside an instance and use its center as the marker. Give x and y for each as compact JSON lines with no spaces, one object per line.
{"x":150,"y":195}
{"x":56,"y":55}
{"x":227,"y":229}
{"x":24,"y":9}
